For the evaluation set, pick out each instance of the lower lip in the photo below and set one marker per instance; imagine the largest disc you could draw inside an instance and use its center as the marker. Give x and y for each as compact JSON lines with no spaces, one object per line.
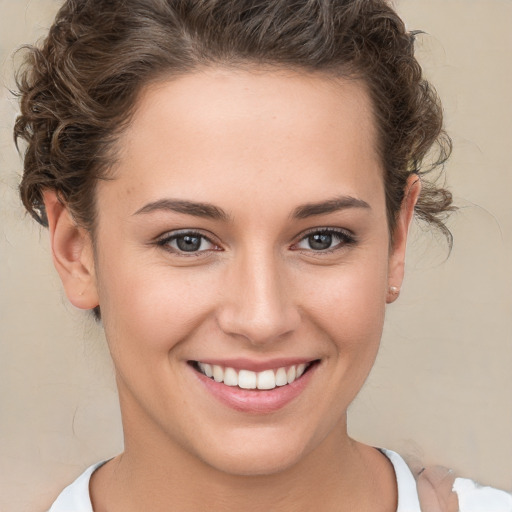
{"x":253,"y":400}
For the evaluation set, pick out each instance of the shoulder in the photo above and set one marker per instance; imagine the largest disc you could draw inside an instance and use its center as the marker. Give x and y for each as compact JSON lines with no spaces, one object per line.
{"x":477,"y":498}
{"x":406,"y":485}
{"x":437,"y":486}
{"x":76,"y":496}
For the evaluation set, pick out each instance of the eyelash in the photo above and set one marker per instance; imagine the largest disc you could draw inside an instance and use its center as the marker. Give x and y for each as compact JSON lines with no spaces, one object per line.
{"x":167,"y":239}
{"x":345,"y":238}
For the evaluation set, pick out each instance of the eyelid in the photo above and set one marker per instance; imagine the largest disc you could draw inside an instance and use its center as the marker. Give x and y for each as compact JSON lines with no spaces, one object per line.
{"x":347,"y":236}
{"x":169,"y":236}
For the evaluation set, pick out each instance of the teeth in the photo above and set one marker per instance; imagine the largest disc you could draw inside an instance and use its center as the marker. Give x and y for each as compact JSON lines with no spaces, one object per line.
{"x":206,"y":369}
{"x":281,"y":379}
{"x":218,"y":373}
{"x":266,"y":380}
{"x":247,"y":379}
{"x":230,"y":377}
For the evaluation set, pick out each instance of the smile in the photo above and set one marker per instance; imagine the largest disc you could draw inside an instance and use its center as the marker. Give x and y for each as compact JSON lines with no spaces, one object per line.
{"x":247,"y":379}
{"x":255,"y":387}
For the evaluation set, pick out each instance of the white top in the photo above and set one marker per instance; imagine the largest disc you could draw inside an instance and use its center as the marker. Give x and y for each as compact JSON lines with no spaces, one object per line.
{"x":472,"y":497}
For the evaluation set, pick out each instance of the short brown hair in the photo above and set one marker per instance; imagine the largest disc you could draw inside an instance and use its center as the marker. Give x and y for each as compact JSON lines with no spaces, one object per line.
{"x":78,"y":89}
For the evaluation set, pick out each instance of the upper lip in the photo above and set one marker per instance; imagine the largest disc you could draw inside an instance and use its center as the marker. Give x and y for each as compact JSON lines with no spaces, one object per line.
{"x":256,"y":365}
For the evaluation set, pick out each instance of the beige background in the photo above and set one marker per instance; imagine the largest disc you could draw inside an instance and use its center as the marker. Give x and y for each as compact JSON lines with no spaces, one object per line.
{"x":442,"y":387}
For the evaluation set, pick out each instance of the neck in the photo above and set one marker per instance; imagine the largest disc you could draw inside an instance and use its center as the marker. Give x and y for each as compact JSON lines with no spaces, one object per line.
{"x":156,"y":474}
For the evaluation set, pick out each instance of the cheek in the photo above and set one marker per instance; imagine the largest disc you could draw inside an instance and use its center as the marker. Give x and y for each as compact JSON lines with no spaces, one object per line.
{"x":349,"y":299}
{"x":153,"y":308}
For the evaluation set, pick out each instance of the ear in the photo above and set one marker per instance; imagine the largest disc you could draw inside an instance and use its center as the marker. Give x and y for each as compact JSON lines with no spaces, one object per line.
{"x":72,"y":253}
{"x":397,"y":254}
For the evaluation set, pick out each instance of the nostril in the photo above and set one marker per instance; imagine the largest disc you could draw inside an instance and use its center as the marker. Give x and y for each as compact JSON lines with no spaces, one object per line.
{"x":258,"y":323}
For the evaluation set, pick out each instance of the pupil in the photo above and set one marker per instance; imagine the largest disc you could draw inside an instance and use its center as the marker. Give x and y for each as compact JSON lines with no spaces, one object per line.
{"x":189,"y":243}
{"x":320,"y":241}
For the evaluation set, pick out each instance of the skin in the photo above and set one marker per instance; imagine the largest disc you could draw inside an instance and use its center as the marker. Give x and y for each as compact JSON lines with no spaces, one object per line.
{"x":258,"y":146}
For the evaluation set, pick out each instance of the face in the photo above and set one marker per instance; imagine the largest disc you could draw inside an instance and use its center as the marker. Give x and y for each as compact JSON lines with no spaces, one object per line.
{"x":243,"y":243}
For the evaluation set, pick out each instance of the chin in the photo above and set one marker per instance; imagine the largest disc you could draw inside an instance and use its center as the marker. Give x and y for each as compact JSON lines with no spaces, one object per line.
{"x":257,"y":464}
{"x":253,"y":453}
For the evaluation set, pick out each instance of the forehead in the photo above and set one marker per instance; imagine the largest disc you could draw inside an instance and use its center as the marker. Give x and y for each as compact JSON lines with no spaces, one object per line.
{"x":223,"y":131}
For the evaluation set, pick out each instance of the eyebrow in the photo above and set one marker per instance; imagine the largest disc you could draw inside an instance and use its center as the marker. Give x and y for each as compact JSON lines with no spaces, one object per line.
{"x":204,"y":210}
{"x":209,"y":211}
{"x":329,"y":206}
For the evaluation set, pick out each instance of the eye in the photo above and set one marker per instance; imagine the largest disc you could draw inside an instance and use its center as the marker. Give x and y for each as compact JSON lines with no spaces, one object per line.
{"x":187,"y":242}
{"x":325,"y":240}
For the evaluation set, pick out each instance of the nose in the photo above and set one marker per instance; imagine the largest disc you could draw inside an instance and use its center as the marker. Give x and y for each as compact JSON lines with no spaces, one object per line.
{"x":256,"y":301}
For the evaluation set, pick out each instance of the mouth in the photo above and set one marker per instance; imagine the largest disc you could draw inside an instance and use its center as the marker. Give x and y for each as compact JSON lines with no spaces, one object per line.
{"x":251,"y":380}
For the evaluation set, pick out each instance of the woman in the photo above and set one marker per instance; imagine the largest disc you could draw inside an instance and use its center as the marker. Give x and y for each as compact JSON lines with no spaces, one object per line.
{"x":229,"y":186}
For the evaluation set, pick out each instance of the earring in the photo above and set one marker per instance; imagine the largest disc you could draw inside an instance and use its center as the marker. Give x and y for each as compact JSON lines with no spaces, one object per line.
{"x":394,"y":290}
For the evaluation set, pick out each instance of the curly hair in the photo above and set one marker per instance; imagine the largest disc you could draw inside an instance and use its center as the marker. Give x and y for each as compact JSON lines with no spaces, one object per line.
{"x":79,"y":87}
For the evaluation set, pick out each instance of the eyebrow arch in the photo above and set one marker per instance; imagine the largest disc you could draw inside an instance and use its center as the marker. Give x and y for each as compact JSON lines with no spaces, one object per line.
{"x":330,"y":206}
{"x":205,"y":210}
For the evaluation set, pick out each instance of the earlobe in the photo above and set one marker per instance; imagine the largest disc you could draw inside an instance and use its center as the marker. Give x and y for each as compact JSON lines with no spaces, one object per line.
{"x":72,"y":253}
{"x":400,"y":234}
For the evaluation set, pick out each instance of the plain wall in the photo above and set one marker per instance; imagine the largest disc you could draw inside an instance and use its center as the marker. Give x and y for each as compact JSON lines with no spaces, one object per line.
{"x":442,"y":386}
